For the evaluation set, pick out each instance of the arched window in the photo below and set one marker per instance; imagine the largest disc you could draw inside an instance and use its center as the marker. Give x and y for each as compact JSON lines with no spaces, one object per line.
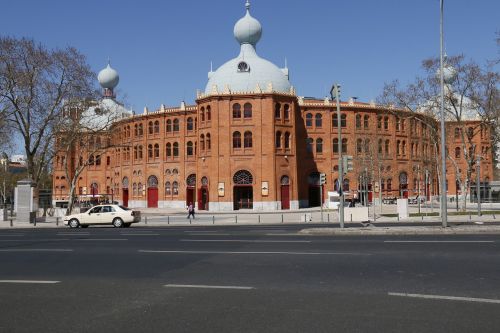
{"x":309,"y":145}
{"x":175,"y":172}
{"x":277,"y":111}
{"x":157,"y":127}
{"x":382,"y":184}
{"x":236,"y":111}
{"x":248,"y":140}
{"x":319,"y":120}
{"x":209,"y":113}
{"x":344,"y":146}
{"x":152,"y":182}
{"x":136,"y":132}
{"x":168,"y":150}
{"x":189,"y":149}
{"x":398,"y":124}
{"x":141,"y":130}
{"x":398,"y":147}
{"x":335,"y":146}
{"x":287,"y":140}
{"x":204,"y":181}
{"x":386,"y":123}
{"x":209,"y":143}
{"x":169,"y":125}
{"x":380,"y":148}
{"x":366,"y":121}
{"x":202,"y":114}
{"x":359,"y":146}
{"x":190,"y":124}
{"x":285,"y":180}
{"x":243,"y":177}
{"x":367,"y":146}
{"x":387,"y":144}
{"x":379,"y":122}
{"x":470,"y":132}
{"x":176,"y":125}
{"x":343,"y":120}
{"x":134,"y":189}
{"x":150,"y":127}
{"x":286,"y":112}
{"x":175,"y":149}
{"x":403,"y":124}
{"x":168,"y":188}
{"x":309,"y":120}
{"x":150,"y":151}
{"x":191,"y":180}
{"x":358,"y":121}
{"x":247,"y":110}
{"x":404,"y":147}
{"x":139,"y":152}
{"x":91,"y":160}
{"x":157,"y":150}
{"x":319,"y":146}
{"x":236,"y":140}
{"x":389,"y":184}
{"x":346,"y":185}
{"x":278,"y":140}
{"x":175,"y":188}
{"x":202,"y":142}
{"x":335,"y":121}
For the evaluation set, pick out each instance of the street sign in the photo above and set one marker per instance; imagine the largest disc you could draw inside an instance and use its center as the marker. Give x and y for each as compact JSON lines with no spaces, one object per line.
{"x":322,"y":178}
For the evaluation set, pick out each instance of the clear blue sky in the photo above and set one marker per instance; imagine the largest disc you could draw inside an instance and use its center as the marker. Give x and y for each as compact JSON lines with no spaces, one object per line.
{"x":163,"y":49}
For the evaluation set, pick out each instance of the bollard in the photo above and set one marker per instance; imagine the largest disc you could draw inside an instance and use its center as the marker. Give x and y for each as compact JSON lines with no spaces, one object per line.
{"x":213,"y":219}
{"x":494,"y":218}
{"x":34,"y":220}
{"x":305,"y":218}
{"x":145,"y":220}
{"x":328,"y":217}
{"x":236,"y":219}
{"x":422,"y":218}
{"x":282,"y":220}
{"x":470,"y":217}
{"x":351,"y":217}
{"x":190,"y":221}
{"x":259,"y":218}
{"x":57,"y":221}
{"x":398,"y":217}
{"x":168,"y":219}
{"x":11,"y":222}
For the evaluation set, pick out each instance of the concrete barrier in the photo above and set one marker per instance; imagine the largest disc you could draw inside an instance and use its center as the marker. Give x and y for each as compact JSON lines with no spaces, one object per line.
{"x":356,"y":214}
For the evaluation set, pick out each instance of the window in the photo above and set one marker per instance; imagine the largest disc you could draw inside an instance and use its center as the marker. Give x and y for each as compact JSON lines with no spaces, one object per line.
{"x":286,"y":111}
{"x":359,"y":146}
{"x":287,"y":140}
{"x":343,"y":120}
{"x":309,"y":145}
{"x":379,"y":122}
{"x":398,"y":124}
{"x":150,"y":127}
{"x":358,"y":121}
{"x":247,"y":110}
{"x":175,"y":149}
{"x":277,"y":111}
{"x":136,"y":132}
{"x":190,"y":125}
{"x":386,"y":123}
{"x":398,"y":147}
{"x":169,"y":126}
{"x":236,"y":111}
{"x":319,"y":146}
{"x":243,"y":177}
{"x":380,"y":148}
{"x":243,"y":67}
{"x":367,"y":146}
{"x":202,"y":142}
{"x":189,"y":148}
{"x":236,"y":140}
{"x":208,"y":142}
{"x":404,"y":147}
{"x":139,"y":152}
{"x":344,"y":146}
{"x":319,"y":120}
{"x":157,"y":127}
{"x":387,"y":144}
{"x":140,"y":129}
{"x":248,"y":140}
{"x":168,"y":188}
{"x":335,"y":146}
{"x":175,"y":188}
{"x":168,"y":150}
{"x":403,"y":124}
{"x":366,"y":121}
{"x":278,"y":140}
{"x":202,"y":114}
{"x":157,"y":150}
{"x":470,"y":132}
{"x":108,"y":160}
{"x":150,"y":151}
{"x":389,"y":184}
{"x":335,"y":121}
{"x":309,"y":120}
{"x":176,"y":125}
{"x":209,"y":113}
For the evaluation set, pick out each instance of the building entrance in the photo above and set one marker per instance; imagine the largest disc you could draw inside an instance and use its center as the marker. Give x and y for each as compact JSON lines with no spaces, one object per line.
{"x":125,"y":197}
{"x":243,"y":197}
{"x":314,"y":190}
{"x":152,"y":192}
{"x":285,"y":192}
{"x":203,"y":204}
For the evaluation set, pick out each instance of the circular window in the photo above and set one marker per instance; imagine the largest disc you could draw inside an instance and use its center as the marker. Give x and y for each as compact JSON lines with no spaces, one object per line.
{"x":204,"y":181}
{"x":243,"y":177}
{"x":191,"y":180}
{"x":243,"y":67}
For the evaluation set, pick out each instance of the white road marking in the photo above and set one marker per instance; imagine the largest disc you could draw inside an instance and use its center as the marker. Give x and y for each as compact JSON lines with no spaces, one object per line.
{"x":73,"y":233}
{"x":242,"y":241}
{"x":101,"y":239}
{"x":201,"y":286}
{"x":437,"y":241}
{"x":35,"y":240}
{"x":254,"y":252}
{"x":188,"y":231}
{"x":140,"y":234}
{"x":198,"y":234}
{"x":448,"y":298}
{"x":29,"y":281}
{"x":12,"y":235}
{"x":36,"y":250}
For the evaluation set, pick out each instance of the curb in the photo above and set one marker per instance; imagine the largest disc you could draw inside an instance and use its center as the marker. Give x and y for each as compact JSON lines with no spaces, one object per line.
{"x":399,"y":231}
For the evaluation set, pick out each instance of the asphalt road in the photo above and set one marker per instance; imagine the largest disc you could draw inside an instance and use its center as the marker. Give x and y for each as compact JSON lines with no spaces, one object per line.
{"x":245,"y":279}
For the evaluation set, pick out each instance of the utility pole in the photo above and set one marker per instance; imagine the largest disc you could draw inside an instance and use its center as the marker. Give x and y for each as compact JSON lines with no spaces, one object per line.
{"x":4,"y":195}
{"x":335,"y":94}
{"x":444,"y":206}
{"x":478,"y":184}
{"x":418,"y":186}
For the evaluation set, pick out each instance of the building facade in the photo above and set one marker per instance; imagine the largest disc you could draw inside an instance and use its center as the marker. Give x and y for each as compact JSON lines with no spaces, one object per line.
{"x":250,"y":142}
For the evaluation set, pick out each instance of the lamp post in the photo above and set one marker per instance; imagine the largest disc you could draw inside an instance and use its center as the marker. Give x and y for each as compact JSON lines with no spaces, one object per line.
{"x":335,"y":94}
{"x":478,"y":184}
{"x":444,"y":212}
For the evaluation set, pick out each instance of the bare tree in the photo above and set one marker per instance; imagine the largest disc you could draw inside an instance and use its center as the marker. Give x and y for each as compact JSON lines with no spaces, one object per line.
{"x":35,"y":85}
{"x":473,"y":95}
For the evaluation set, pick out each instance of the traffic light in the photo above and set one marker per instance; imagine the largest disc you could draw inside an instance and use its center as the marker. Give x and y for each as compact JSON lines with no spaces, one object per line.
{"x":335,"y":92}
{"x":347,"y":163}
{"x":322,"y":178}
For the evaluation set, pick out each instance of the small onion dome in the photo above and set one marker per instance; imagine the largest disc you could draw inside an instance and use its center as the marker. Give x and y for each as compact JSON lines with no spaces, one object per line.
{"x":449,"y":74}
{"x":248,"y":30}
{"x":108,"y":78}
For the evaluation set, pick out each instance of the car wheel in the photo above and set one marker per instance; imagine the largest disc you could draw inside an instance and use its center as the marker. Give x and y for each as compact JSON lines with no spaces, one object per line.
{"x":74,"y":223}
{"x":118,"y":222}
{"x":127,"y":225}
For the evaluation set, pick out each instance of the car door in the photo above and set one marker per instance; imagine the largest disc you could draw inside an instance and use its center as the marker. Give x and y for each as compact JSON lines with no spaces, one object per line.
{"x":94,"y":215}
{"x":108,"y":214}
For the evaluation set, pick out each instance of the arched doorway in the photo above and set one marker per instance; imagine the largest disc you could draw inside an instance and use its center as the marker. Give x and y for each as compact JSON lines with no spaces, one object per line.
{"x":243,"y":190}
{"x":152,"y":192}
{"x":203,"y":195}
{"x":285,"y":192}
{"x":403,"y":185}
{"x":314,"y":190}
{"x":190,"y":188}
{"x":125,"y":191}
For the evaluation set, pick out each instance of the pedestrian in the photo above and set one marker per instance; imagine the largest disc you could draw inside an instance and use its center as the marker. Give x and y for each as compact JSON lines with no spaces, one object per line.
{"x":190,"y":210}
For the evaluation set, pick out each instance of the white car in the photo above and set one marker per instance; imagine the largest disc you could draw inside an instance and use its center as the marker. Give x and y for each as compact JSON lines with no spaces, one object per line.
{"x":116,"y":215}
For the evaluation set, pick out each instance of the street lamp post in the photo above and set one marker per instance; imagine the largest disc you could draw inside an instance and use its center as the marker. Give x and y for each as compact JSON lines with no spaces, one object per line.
{"x":478,"y":184}
{"x":444,"y":212}
{"x":335,"y":94}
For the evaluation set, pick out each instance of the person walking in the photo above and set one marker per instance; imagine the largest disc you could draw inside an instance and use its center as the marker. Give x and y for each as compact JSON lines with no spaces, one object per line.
{"x":190,"y":210}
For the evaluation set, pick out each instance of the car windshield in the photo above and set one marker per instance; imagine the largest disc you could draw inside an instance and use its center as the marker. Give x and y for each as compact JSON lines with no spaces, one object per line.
{"x":124,"y":208}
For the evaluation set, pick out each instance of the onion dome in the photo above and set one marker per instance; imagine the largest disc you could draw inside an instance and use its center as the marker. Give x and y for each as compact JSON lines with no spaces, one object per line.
{"x":248,"y":30}
{"x":108,"y":78}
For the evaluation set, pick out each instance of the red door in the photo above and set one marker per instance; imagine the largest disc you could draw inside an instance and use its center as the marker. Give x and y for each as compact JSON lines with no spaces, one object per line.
{"x":285,"y":196}
{"x":189,"y":196}
{"x":152,"y":197}
{"x":203,"y":199}
{"x":125,"y":197}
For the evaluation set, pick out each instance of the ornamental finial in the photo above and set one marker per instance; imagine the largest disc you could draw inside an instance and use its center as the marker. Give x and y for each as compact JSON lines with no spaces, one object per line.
{"x":247,"y":5}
